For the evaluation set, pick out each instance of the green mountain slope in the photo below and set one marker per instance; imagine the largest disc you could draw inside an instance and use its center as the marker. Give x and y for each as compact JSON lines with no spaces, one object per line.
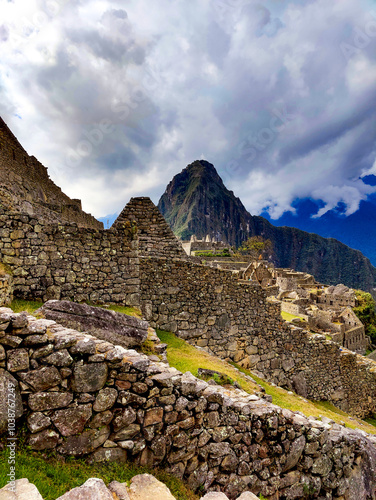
{"x":196,"y":202}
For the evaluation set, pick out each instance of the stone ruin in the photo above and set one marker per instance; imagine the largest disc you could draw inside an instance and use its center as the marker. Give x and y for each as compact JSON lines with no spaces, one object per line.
{"x":26,"y":187}
{"x":325,"y":310}
{"x":140,"y":262}
{"x":207,"y":244}
{"x":85,"y":397}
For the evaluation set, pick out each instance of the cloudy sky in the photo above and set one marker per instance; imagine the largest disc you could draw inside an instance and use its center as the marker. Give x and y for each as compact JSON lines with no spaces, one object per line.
{"x":117,"y":96}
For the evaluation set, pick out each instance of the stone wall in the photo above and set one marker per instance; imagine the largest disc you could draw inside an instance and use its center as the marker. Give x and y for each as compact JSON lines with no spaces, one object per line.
{"x":294,"y":309}
{"x":6,"y":289}
{"x":355,"y":339}
{"x":234,"y":320}
{"x":84,"y":397}
{"x":65,"y":261}
{"x":155,"y":235}
{"x":26,"y":186}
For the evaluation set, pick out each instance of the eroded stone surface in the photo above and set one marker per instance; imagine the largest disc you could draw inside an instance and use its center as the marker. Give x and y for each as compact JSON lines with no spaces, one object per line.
{"x":23,"y":490}
{"x":117,"y":328}
{"x":44,"y":440}
{"x":120,"y":490}
{"x":37,"y":422}
{"x":43,"y":378}
{"x":49,"y":400}
{"x":89,"y":378}
{"x":145,"y":486}
{"x":85,"y":443}
{"x":93,"y":489}
{"x":18,"y":359}
{"x":106,"y":399}
{"x":10,"y":399}
{"x":72,"y":420}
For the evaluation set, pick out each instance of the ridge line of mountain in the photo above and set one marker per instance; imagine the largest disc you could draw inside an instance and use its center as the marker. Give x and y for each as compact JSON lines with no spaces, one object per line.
{"x":196,"y":202}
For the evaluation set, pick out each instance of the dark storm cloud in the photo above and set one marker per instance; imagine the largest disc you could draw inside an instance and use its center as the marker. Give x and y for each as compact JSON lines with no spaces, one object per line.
{"x":330,"y":132}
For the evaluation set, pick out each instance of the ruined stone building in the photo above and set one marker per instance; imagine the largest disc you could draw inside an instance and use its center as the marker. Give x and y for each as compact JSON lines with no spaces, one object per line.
{"x":207,"y":244}
{"x":140,"y":262}
{"x":26,"y":187}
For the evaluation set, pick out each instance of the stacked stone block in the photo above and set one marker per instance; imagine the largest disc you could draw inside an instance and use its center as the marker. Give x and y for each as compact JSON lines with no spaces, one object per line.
{"x":83,"y":396}
{"x":6,"y":289}
{"x":53,"y":261}
{"x":155,"y":235}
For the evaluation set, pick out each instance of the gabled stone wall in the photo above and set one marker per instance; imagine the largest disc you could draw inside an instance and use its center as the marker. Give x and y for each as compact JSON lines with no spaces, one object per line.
{"x":156,"y":238}
{"x":53,"y":261}
{"x":84,"y":397}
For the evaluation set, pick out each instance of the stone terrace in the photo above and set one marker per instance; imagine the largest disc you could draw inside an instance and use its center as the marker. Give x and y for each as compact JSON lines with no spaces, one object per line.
{"x":86,"y":397}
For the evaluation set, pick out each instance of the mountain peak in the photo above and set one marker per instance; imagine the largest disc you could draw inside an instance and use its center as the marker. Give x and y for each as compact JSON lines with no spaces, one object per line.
{"x":201,"y":169}
{"x":196,"y":202}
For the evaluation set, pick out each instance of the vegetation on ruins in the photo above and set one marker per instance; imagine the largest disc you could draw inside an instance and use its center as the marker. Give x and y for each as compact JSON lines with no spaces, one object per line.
{"x":207,"y":253}
{"x":366,"y":312}
{"x":255,"y":247}
{"x":54,"y":476}
{"x":185,"y":357}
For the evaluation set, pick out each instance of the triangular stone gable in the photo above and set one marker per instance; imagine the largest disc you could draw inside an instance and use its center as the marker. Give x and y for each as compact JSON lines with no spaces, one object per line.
{"x":156,"y":238}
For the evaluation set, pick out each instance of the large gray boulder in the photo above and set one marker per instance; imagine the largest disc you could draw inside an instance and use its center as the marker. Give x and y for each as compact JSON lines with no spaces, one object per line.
{"x":93,"y":489}
{"x":147,"y":487}
{"x":21,"y":489}
{"x":117,"y":328}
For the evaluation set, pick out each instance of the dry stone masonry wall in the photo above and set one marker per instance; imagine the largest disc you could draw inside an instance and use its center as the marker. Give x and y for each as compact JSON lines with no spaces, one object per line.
{"x":53,"y":261}
{"x":207,"y":306}
{"x":26,"y":186}
{"x":6,"y":289}
{"x":236,"y":321}
{"x":82,"y":396}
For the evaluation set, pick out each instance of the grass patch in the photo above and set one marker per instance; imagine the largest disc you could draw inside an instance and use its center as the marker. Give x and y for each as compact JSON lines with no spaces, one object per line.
{"x":185,"y":357}
{"x":130,"y":311}
{"x":371,"y":420}
{"x":288,"y":316}
{"x":30,"y":306}
{"x":291,"y":401}
{"x":53,"y":477}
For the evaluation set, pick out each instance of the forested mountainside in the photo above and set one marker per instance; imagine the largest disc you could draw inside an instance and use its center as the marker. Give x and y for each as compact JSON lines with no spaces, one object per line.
{"x":196,"y":202}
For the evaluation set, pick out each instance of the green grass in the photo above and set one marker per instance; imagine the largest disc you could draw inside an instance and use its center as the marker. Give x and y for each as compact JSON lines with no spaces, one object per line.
{"x":288,"y":316}
{"x":130,"y":311}
{"x":53,"y":477}
{"x":371,"y":420}
{"x":30,"y":306}
{"x":185,"y":357}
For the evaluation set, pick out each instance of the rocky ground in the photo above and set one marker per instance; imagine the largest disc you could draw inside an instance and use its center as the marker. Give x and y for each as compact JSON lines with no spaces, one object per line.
{"x":142,"y":487}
